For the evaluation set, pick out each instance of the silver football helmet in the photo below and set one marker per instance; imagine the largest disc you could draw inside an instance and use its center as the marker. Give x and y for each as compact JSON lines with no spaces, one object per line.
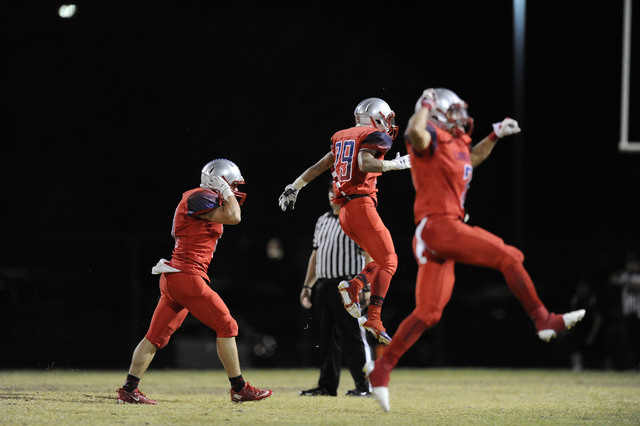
{"x":374,"y":112}
{"x":450,"y":113}
{"x":226,"y":169}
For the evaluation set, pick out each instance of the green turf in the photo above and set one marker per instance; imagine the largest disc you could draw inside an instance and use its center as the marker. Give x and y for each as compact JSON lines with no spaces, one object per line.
{"x":418,"y":396}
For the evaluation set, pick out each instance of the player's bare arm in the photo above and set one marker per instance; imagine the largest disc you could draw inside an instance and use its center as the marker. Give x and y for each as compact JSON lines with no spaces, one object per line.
{"x":481,"y":151}
{"x":227,"y":214}
{"x":417,"y":130}
{"x":317,"y":169}
{"x":369,"y":164}
{"x":287,"y":200}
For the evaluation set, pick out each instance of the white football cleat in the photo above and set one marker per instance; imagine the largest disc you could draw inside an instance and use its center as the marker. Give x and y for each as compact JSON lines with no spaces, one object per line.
{"x":570,"y":319}
{"x":379,"y":380}
{"x":382,"y":395}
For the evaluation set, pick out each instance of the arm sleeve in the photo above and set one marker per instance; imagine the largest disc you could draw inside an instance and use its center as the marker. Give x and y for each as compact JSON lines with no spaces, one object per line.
{"x":201,"y":202}
{"x":380,"y":141}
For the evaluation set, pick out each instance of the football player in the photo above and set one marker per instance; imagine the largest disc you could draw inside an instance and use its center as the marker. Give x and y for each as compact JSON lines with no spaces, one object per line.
{"x":356,"y":159}
{"x":184,"y":282}
{"x":443,"y":160}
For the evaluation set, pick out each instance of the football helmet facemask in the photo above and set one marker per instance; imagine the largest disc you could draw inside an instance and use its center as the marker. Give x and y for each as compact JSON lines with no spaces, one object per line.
{"x":226,"y":169}
{"x":450,"y":113}
{"x":374,"y":112}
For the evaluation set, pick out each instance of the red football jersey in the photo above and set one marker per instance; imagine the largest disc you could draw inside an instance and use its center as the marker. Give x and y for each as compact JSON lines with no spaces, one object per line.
{"x":348,"y":179}
{"x":441,"y":174}
{"x":195,"y":239}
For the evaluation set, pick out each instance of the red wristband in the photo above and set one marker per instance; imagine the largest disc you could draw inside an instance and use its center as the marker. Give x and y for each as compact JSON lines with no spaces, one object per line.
{"x":493,"y":137}
{"x":427,"y":104}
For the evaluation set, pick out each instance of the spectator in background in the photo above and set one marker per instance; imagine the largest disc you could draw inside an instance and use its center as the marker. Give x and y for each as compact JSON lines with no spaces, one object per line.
{"x":335,"y":257}
{"x":628,"y":279}
{"x":582,"y":342}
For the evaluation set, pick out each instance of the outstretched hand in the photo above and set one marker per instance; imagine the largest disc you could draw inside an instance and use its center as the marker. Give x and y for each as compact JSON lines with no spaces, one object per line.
{"x":398,"y":163}
{"x":427,"y":100}
{"x":287,"y":200}
{"x":220,"y":185}
{"x":506,"y":127}
{"x":402,"y":162}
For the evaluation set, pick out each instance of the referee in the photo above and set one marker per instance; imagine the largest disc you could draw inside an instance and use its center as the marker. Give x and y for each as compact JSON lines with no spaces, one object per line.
{"x":335,"y":257}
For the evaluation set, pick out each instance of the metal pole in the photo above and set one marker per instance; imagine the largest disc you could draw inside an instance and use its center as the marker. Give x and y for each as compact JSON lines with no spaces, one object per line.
{"x":519,"y":21}
{"x":626,"y":67}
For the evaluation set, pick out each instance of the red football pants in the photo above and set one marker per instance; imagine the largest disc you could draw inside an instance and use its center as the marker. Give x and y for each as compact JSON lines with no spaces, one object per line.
{"x":361,"y":222}
{"x":181,"y":293}
{"x":439,"y":242}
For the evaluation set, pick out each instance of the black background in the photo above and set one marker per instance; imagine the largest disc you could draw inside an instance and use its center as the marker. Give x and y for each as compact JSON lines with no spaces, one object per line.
{"x":110,"y":115}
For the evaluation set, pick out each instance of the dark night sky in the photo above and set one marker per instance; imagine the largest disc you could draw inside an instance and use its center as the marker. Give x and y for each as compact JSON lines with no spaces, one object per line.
{"x":110,"y":115}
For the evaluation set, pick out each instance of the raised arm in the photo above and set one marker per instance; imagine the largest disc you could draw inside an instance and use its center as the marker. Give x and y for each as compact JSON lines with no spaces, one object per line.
{"x":417,"y":129}
{"x":481,"y":150}
{"x":287,"y":200}
{"x":228,"y":213}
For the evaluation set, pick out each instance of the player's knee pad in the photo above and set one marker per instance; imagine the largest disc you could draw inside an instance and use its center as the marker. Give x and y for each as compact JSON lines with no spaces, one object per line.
{"x":390,"y":263}
{"x":511,"y":256}
{"x":158,"y":341}
{"x":428,"y":317}
{"x":228,"y":327}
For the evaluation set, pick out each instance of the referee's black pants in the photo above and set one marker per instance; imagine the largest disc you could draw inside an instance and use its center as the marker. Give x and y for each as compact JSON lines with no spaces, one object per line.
{"x":338,"y":332}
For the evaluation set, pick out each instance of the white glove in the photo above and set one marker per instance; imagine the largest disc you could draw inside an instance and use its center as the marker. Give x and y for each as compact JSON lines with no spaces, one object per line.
{"x":218,"y":184}
{"x":506,"y":127}
{"x":427,"y":100}
{"x":288,"y":198}
{"x":398,"y":163}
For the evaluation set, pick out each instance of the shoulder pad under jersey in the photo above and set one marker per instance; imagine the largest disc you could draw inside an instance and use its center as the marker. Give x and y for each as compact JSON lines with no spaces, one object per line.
{"x":378,"y":140}
{"x":202,"y":202}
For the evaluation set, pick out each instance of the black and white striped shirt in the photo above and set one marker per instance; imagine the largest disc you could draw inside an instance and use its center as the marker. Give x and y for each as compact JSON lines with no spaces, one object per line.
{"x":337,"y":256}
{"x":630,"y":281}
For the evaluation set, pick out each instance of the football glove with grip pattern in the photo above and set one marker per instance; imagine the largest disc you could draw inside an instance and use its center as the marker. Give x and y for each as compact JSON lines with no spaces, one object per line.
{"x":287,"y":200}
{"x":506,"y":127}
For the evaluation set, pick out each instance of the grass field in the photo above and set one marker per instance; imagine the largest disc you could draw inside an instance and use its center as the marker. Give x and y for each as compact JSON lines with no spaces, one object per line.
{"x":418,"y":396}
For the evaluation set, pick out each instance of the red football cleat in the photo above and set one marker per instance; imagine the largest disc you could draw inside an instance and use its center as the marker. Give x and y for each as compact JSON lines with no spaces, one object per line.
{"x":350,"y":297}
{"x":249,"y":393}
{"x":376,"y":328}
{"x":133,"y":397}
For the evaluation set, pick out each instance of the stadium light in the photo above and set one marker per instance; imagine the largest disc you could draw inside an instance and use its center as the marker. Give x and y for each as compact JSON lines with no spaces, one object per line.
{"x":67,"y":10}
